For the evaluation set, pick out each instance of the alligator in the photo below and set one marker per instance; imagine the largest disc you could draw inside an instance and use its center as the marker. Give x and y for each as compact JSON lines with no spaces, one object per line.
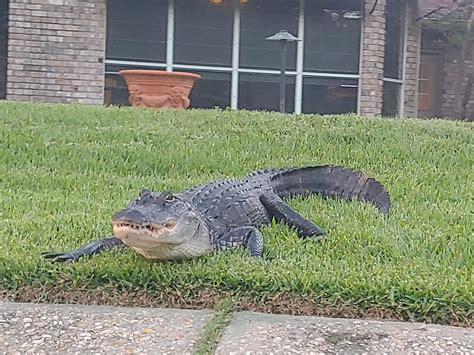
{"x":225,"y":214}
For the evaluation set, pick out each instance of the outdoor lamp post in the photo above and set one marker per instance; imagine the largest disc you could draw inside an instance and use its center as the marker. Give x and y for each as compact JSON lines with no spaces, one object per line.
{"x":283,"y":37}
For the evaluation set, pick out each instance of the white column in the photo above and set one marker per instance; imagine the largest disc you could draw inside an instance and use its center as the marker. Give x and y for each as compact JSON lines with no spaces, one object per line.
{"x":361,"y":56}
{"x":299,"y":61}
{"x":401,"y":100}
{"x":234,"y":92}
{"x":170,"y":36}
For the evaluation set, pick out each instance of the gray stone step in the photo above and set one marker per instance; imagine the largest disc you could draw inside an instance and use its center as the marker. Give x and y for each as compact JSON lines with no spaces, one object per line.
{"x":98,"y":329}
{"x":102,"y":329}
{"x":255,"y":333}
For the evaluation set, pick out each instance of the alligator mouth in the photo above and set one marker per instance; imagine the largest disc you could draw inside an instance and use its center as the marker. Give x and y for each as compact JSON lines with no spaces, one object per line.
{"x":139,"y":227}
{"x":124,"y":229}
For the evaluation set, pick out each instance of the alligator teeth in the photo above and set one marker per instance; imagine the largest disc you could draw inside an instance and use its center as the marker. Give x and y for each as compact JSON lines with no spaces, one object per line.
{"x":149,"y":227}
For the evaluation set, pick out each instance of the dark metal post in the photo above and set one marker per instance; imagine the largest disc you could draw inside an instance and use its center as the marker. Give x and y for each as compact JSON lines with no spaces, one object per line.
{"x":283,"y":37}
{"x":283,"y":77}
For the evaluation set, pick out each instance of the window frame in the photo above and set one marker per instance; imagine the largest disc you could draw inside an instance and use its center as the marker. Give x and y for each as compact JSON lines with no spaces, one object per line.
{"x":235,"y":68}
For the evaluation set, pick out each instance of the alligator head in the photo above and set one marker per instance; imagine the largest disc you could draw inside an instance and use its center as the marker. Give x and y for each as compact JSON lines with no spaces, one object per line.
{"x":156,"y":223}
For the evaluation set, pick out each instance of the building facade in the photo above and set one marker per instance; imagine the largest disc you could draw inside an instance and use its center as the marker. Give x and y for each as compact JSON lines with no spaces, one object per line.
{"x":353,"y":55}
{"x":439,"y":69}
{"x":3,"y":46}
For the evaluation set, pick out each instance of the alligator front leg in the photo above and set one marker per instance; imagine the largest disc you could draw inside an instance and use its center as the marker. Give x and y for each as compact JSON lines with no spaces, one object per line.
{"x":248,"y":237}
{"x":277,"y":208}
{"x":94,"y":247}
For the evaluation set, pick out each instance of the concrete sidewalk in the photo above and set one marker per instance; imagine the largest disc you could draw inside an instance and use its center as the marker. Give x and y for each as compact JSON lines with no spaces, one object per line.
{"x":297,"y":334}
{"x":103,"y":329}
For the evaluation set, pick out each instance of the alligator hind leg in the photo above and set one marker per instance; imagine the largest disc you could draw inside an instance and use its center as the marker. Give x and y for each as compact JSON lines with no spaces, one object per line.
{"x":281,"y":211}
{"x":94,"y":247}
{"x":248,"y":237}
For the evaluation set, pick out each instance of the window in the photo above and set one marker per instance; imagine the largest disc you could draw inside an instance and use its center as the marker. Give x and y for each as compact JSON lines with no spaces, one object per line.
{"x":261,"y":19}
{"x":203,"y":32}
{"x":213,"y":90}
{"x":332,"y":36}
{"x":262,"y":92}
{"x":394,"y":39}
{"x":203,"y":41}
{"x":324,"y":96}
{"x":136,"y":30}
{"x":393,"y":60}
{"x":391,"y":98}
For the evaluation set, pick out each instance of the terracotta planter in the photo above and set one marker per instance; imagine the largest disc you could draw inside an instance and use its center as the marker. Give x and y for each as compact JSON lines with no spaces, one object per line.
{"x":159,"y":89}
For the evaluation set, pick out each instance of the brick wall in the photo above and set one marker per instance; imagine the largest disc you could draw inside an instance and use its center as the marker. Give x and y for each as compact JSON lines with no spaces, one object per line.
{"x":412,"y":61}
{"x":449,"y":83}
{"x":56,"y":50}
{"x":372,"y":60}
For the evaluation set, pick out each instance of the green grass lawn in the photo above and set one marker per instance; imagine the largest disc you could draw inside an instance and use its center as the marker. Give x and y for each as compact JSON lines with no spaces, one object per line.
{"x":66,"y":169}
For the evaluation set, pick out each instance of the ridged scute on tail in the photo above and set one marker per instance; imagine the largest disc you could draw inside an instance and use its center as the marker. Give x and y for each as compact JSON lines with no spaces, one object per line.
{"x":331,"y":181}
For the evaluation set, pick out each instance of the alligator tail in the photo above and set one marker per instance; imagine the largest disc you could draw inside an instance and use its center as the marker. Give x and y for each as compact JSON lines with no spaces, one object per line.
{"x":331,"y":181}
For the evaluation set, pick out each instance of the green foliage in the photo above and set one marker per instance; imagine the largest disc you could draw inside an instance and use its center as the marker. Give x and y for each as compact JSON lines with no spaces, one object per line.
{"x":451,"y":24}
{"x":66,"y":169}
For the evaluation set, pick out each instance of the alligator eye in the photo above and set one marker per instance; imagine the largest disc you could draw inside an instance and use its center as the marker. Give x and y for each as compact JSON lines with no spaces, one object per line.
{"x":170,"y":224}
{"x":170,"y":198}
{"x":166,"y":196}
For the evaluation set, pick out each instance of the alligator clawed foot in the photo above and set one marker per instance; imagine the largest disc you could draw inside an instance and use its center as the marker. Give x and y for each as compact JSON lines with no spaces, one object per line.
{"x":60,"y":257}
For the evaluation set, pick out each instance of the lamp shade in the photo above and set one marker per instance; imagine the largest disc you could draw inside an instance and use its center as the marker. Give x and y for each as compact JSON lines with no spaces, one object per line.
{"x":283,"y":35}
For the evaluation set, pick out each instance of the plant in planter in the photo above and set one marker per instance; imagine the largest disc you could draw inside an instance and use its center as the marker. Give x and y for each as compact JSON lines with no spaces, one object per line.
{"x":159,"y":89}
